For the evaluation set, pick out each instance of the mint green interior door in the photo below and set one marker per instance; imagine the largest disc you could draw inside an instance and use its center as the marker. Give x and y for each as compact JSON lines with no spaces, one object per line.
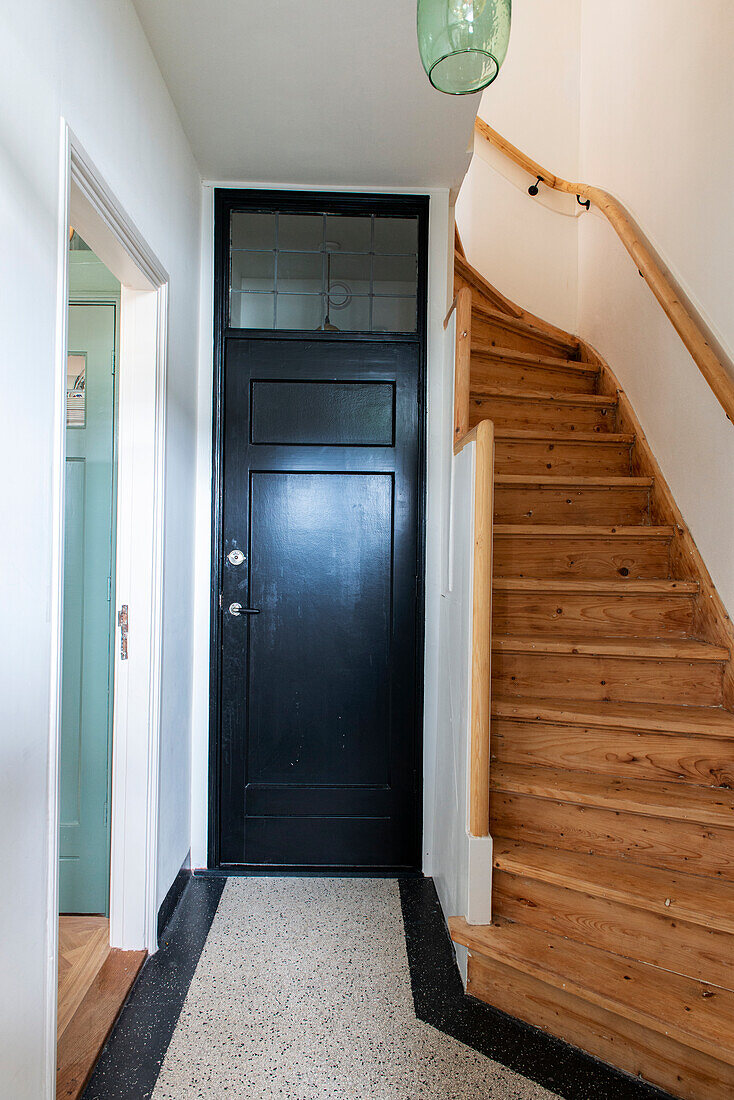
{"x":88,"y":635}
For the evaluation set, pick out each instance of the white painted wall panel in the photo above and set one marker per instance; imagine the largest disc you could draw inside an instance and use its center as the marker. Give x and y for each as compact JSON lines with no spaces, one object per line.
{"x":90,"y":63}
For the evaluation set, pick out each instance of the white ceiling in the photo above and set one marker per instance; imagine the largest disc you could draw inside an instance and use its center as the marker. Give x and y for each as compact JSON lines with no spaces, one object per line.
{"x":325,"y":92}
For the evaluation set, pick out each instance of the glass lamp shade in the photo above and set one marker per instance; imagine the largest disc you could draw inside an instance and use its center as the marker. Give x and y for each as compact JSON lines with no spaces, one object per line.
{"x":462,"y":43}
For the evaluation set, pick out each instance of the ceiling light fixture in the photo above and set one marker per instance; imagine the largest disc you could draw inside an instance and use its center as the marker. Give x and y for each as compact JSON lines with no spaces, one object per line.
{"x":463,"y":43}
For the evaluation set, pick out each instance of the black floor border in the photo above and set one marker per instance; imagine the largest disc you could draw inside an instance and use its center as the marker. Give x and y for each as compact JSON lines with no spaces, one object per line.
{"x":439,"y":1000}
{"x":173,"y":897}
{"x":128,"y":1067}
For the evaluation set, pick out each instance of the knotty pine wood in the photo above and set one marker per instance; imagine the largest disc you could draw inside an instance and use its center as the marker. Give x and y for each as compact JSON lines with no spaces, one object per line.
{"x":637,"y":553}
{"x":643,"y":1053}
{"x":684,"y":847}
{"x":652,"y":938}
{"x":554,"y":500}
{"x":711,"y":620}
{"x":491,"y":326}
{"x":672,"y":801}
{"x":87,"y":1031}
{"x":628,"y":612}
{"x":462,"y":364}
{"x":615,"y":752}
{"x":482,"y":291}
{"x":654,"y":890}
{"x":84,"y":944}
{"x":693,"y":1013}
{"x":708,"y":721}
{"x":486,"y":293}
{"x":622,"y":786}
{"x":605,"y":676}
{"x":481,"y":667}
{"x":500,"y":367}
{"x":577,"y":412}
{"x":577,"y":454}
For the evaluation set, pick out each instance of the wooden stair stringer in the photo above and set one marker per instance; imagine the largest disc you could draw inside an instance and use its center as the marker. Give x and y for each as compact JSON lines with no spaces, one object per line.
{"x":469,"y":276}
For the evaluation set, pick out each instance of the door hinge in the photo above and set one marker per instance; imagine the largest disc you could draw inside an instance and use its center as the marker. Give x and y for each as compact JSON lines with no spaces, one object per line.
{"x":109,"y":589}
{"x":113,"y":366}
{"x":122,"y":622}
{"x":106,"y":810}
{"x":220,"y":601}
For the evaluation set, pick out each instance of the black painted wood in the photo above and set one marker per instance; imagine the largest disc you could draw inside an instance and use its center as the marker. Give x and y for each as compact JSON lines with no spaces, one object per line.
{"x":321,"y":492}
{"x":168,"y":905}
{"x":346,"y":430}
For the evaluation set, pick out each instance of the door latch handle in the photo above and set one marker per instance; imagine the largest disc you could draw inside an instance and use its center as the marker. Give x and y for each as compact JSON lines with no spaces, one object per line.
{"x":237,"y":609}
{"x":122,"y":623}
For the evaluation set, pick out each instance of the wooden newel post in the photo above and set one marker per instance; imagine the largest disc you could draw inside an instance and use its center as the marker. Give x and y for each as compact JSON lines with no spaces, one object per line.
{"x":462,"y":363}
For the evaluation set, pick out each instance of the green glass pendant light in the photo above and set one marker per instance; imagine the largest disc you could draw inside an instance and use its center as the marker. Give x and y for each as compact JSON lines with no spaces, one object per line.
{"x":462,"y":43}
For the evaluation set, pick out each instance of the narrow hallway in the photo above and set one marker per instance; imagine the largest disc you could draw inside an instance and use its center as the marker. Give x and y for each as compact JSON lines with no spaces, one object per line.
{"x":303,"y":990}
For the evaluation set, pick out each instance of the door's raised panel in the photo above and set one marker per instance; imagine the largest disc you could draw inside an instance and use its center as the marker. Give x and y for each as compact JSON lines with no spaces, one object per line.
{"x":321,"y":575}
{"x":350,"y":414}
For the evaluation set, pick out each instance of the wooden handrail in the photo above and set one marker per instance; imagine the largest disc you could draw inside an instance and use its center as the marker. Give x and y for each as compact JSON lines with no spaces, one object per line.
{"x":483,"y":436}
{"x":685,"y":320}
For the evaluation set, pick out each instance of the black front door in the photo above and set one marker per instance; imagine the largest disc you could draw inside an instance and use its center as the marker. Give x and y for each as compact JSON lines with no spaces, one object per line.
{"x":319,"y":578}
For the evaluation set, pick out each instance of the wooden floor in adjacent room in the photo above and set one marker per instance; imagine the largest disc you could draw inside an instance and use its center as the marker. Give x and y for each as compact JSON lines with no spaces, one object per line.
{"x":94,"y":981}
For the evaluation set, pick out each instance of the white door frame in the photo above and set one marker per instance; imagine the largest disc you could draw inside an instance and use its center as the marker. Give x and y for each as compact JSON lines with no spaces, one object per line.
{"x":87,"y":204}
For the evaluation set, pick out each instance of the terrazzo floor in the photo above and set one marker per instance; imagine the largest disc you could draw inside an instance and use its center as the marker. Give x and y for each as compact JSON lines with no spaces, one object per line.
{"x":303,"y":991}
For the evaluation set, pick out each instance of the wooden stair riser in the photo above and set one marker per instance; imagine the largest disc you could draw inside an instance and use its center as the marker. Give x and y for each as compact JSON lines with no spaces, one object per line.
{"x":679,"y":846}
{"x":641,"y":679}
{"x":615,"y":752}
{"x":667,"y":942}
{"x":608,"y":556}
{"x":643,"y":1053}
{"x":508,"y":411}
{"x":617,"y":505}
{"x":695,"y":1015}
{"x":605,"y":614}
{"x":517,"y":375}
{"x":556,"y":459}
{"x":504,"y":332}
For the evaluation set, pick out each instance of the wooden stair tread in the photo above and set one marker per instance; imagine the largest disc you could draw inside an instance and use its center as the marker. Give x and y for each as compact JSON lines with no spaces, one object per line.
{"x":567,"y":342}
{"x":532,"y":435}
{"x":693,"y":1013}
{"x":532,"y":359}
{"x":649,"y":717}
{"x":702,"y":901}
{"x":688,"y":649}
{"x":617,"y":587}
{"x":586,"y":400}
{"x":646,"y":797}
{"x":549,"y":531}
{"x":568,"y":481}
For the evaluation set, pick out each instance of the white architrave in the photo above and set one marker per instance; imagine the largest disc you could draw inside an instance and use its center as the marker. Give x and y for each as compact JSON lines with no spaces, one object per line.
{"x":87,"y":204}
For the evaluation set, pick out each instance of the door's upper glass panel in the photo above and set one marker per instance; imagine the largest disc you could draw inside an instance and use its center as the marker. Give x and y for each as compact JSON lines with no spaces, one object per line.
{"x":323,"y":272}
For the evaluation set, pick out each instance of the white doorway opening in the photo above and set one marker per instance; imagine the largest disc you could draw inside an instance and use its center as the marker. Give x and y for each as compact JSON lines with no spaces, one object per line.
{"x":88,"y":205}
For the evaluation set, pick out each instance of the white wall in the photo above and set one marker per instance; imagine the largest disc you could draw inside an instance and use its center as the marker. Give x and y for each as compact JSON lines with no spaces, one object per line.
{"x":527,"y":247}
{"x":438,"y":445}
{"x":90,"y":63}
{"x":657,"y":130}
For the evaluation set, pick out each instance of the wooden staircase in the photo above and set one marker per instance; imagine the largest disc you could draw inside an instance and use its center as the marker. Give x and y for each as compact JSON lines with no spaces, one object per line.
{"x":612,"y":737}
